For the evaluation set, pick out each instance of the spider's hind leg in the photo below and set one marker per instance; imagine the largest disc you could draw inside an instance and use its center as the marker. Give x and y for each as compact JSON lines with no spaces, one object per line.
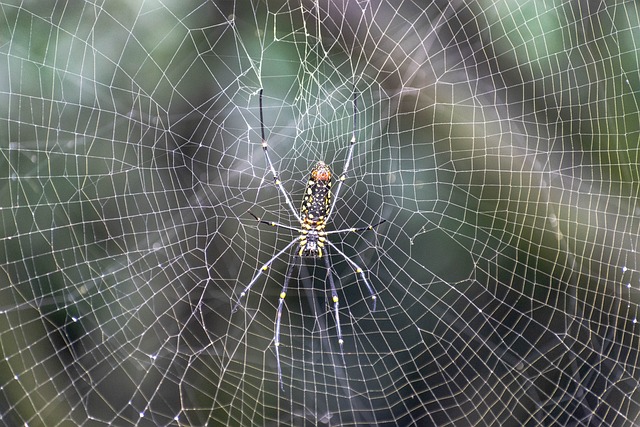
{"x":359,"y":271}
{"x":262,"y":269}
{"x":283,"y":294}
{"x":335,"y":300}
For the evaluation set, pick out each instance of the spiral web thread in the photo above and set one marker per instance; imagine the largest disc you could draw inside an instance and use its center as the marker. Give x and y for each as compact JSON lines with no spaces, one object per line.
{"x":499,"y":141}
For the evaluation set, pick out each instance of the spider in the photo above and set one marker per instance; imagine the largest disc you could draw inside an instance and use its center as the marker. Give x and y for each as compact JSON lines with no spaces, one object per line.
{"x":312,"y":239}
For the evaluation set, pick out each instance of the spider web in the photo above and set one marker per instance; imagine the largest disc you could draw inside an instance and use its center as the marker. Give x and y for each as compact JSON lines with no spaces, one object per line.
{"x":499,"y":140}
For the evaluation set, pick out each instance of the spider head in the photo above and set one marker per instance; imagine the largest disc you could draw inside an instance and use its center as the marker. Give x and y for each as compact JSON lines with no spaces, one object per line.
{"x":310,"y":249}
{"x":312,"y":243}
{"x":321,"y":172}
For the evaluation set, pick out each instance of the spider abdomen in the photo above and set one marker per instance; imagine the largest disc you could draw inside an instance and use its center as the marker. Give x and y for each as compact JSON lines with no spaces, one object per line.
{"x":317,"y":195}
{"x":314,"y":209}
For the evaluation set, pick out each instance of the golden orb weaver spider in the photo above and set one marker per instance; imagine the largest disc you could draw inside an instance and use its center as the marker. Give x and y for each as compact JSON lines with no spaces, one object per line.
{"x":312,"y":240}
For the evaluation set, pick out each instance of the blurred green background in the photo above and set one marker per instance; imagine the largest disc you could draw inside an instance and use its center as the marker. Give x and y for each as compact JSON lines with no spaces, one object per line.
{"x":498,"y":139}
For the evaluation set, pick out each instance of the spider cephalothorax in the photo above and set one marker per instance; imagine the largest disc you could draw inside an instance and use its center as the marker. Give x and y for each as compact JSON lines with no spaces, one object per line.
{"x":312,"y":239}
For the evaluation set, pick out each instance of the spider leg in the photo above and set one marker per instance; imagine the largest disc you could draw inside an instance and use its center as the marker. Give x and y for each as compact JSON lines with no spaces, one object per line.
{"x":335,"y":300}
{"x":351,"y":230}
{"x":262,"y":269}
{"x":349,"y":154}
{"x":359,"y":271}
{"x":274,"y":224}
{"x":276,"y":339}
{"x":276,"y":179}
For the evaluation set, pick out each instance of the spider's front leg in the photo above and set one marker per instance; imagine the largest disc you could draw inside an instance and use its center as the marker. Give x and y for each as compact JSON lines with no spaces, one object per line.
{"x":274,"y":173}
{"x":347,"y":161}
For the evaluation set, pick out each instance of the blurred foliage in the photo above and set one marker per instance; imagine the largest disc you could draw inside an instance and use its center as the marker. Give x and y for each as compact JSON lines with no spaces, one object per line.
{"x":498,"y":139}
